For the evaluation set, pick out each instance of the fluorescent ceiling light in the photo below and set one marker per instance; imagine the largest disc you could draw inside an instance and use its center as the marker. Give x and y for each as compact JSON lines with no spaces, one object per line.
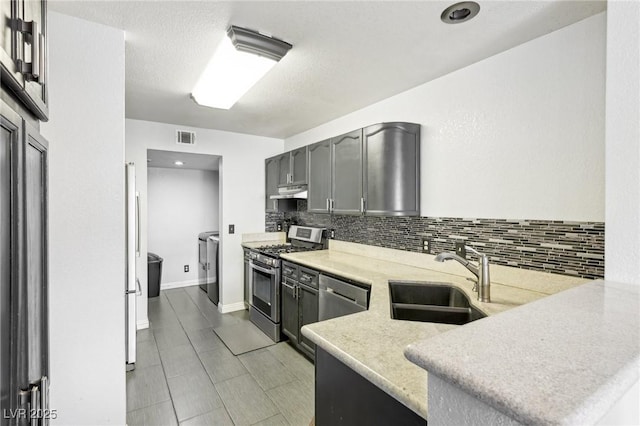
{"x":241,"y":59}
{"x":178,"y":163}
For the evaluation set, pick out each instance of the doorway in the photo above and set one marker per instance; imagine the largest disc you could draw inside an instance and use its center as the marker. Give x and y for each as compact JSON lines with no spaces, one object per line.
{"x":183,"y":196}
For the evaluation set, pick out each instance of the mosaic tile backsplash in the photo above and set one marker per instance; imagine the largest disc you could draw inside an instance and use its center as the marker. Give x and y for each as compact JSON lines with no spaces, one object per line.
{"x":562,"y":247}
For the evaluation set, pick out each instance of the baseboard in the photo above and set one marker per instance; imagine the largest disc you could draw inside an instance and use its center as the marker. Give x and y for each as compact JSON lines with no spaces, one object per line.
{"x":142,"y":324}
{"x":231,"y":307}
{"x":178,"y":284}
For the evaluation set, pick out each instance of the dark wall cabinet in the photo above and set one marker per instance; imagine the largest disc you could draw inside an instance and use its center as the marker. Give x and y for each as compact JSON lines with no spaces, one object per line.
{"x":391,"y":169}
{"x":285,"y":169}
{"x":319,"y":165}
{"x":272,"y":171}
{"x":371,"y":171}
{"x":292,"y":167}
{"x":24,"y":351}
{"x":299,"y":304}
{"x":346,"y":174}
{"x":24,"y":53}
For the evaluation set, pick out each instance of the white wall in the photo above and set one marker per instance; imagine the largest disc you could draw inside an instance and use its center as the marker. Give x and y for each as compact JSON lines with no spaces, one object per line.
{"x":519,"y":135}
{"x":622,"y":237}
{"x":241,"y":193}
{"x":86,"y":221}
{"x":182,"y":203}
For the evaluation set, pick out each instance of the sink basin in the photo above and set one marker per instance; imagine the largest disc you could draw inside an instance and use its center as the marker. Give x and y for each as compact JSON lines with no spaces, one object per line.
{"x":431,"y":302}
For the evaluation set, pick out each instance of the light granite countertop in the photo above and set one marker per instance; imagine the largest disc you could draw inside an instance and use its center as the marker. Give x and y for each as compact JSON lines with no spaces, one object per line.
{"x":372,"y":344}
{"x":564,"y":359}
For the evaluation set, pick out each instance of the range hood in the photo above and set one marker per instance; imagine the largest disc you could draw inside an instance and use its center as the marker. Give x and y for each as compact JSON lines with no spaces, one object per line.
{"x":288,"y":192}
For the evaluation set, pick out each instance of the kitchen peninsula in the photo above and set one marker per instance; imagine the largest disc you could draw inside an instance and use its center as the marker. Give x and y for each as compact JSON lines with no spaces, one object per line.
{"x":373,"y":345}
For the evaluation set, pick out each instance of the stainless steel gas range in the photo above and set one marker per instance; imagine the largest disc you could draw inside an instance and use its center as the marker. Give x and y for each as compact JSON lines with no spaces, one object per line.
{"x":264,"y":278}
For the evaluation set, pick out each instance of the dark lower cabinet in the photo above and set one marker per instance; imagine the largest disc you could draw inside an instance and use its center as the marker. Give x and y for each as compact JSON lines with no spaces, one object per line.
{"x":343,"y":397}
{"x":24,"y":353}
{"x":299,"y":295}
{"x":308,"y":314}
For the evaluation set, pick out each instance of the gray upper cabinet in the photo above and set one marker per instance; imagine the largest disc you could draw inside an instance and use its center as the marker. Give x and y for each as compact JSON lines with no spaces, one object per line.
{"x":23,"y":52}
{"x":319,"y":165}
{"x":284,"y":167}
{"x":346,"y":173}
{"x":298,"y":173}
{"x":373,"y":171}
{"x":391,"y":169}
{"x":293,"y":167}
{"x":272,"y":170}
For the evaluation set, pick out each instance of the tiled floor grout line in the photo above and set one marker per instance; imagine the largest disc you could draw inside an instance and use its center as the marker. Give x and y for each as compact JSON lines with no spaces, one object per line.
{"x":226,"y":409}
{"x":248,"y":372}
{"x":175,"y":413}
{"x":197,"y":355}
{"x":166,"y":312}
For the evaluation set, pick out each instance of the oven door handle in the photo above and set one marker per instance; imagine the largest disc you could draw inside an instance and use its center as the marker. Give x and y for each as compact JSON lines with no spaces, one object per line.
{"x":258,"y":268}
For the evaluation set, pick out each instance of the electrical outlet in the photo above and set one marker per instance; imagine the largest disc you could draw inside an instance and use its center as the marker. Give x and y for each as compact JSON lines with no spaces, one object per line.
{"x":461,"y":250}
{"x":232,"y":229}
{"x":186,"y":268}
{"x":279,"y":226}
{"x":426,"y":245}
{"x":332,"y":234}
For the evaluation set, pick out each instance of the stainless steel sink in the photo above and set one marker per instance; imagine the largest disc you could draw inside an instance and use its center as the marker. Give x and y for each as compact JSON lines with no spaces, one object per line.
{"x":431,"y":302}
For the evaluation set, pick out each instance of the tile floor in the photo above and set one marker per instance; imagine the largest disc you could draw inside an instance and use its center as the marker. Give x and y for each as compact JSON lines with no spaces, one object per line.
{"x":185,"y":374}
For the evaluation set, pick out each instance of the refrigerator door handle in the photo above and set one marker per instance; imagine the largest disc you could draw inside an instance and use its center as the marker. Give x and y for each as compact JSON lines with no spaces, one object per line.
{"x":139,"y":287}
{"x":137,"y":224}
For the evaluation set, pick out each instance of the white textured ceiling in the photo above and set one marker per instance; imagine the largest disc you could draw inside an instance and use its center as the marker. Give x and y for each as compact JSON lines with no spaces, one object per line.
{"x":346,"y":54}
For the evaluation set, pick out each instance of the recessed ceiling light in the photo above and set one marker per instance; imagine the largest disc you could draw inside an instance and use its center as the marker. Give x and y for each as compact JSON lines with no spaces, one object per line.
{"x":460,"y":12}
{"x":178,"y":163}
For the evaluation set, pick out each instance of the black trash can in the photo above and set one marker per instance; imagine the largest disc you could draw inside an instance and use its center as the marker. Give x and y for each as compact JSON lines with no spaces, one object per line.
{"x":154,"y":274}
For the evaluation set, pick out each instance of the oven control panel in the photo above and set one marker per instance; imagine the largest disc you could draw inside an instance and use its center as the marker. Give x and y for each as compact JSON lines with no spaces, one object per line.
{"x":265,"y":260}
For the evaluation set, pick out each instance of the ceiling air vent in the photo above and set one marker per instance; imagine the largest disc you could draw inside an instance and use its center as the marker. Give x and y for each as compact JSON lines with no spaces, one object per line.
{"x":185,"y":137}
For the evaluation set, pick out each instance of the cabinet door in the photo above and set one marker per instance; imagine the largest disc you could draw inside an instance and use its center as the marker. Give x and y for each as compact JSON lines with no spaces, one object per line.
{"x":289,"y":311}
{"x":35,"y":163}
{"x":284,"y":169}
{"x":23,"y":266}
{"x":308,"y":308}
{"x":9,"y":42}
{"x":247,"y":274}
{"x":392,"y":169}
{"x":271,"y":170}
{"x":299,"y":166}
{"x":10,"y":137}
{"x":346,"y":173}
{"x":23,"y":52}
{"x":319,"y":164}
{"x":35,"y":86}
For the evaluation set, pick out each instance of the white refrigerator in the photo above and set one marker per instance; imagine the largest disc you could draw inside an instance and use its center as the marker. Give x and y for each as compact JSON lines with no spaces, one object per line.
{"x":132,"y":285}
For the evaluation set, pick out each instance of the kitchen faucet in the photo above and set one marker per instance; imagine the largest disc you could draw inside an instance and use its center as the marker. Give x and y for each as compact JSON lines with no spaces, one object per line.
{"x":481,"y":271}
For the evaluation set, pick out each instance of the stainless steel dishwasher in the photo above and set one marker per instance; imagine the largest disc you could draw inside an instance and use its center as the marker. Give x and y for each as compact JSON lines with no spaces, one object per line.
{"x":338,"y":298}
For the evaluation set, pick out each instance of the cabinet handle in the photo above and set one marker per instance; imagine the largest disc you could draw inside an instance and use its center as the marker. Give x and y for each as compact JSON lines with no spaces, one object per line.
{"x":327,"y":204}
{"x":35,"y":51}
{"x":41,"y":77}
{"x":275,"y":204}
{"x":331,"y":204}
{"x":362,"y":204}
{"x":30,"y":70}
